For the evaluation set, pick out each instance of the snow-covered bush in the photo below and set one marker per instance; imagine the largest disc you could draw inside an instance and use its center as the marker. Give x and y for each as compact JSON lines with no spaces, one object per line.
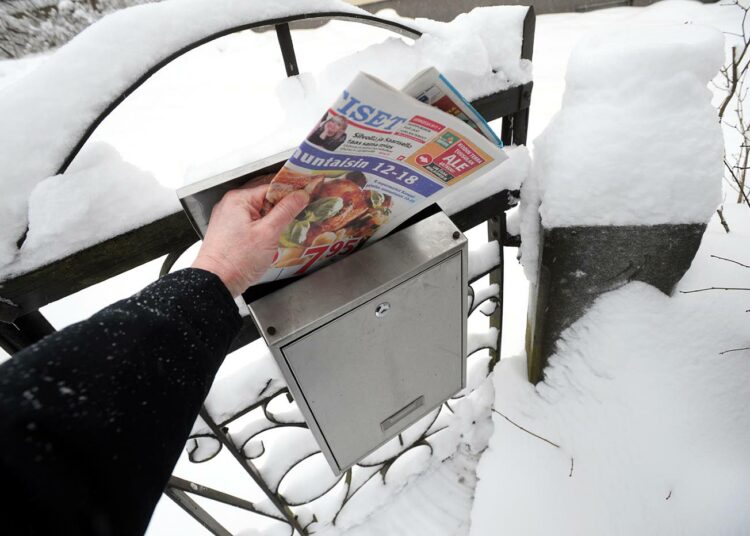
{"x":732,"y":83}
{"x":28,"y":26}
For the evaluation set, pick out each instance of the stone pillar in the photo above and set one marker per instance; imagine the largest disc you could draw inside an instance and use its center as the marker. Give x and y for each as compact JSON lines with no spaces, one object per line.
{"x":578,"y":264}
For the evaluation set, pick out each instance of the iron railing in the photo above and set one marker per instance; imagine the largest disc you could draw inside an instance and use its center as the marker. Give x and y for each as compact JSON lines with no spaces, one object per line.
{"x":21,"y":323}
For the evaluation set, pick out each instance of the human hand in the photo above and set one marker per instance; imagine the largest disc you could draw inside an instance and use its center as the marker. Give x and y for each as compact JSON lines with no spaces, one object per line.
{"x":240,"y":245}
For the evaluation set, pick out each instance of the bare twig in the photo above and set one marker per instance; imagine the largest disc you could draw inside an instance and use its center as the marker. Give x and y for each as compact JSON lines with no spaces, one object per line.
{"x":730,"y":260}
{"x":743,"y":172}
{"x":724,"y":223}
{"x":669,"y":495}
{"x":571,"y":468}
{"x":735,"y":91}
{"x":742,"y":191}
{"x":734,"y":350}
{"x":712,"y":288}
{"x":525,"y":430}
{"x":732,"y":84}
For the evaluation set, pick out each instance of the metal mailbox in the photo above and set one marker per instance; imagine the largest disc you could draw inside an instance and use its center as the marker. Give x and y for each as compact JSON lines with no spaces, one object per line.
{"x":374,"y":342}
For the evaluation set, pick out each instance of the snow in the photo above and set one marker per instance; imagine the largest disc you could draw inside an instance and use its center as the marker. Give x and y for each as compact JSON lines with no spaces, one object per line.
{"x":434,"y":492}
{"x":258,"y":377}
{"x":508,"y":176}
{"x":76,"y":83}
{"x":486,"y":338}
{"x":649,"y":416}
{"x":479,"y":51}
{"x":485,"y":293}
{"x":637,"y":140}
{"x":530,"y":225}
{"x":65,"y":211}
{"x":640,"y":396}
{"x":483,"y":258}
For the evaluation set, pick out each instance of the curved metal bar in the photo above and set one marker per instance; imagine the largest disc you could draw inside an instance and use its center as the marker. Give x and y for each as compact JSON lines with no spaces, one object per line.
{"x":291,"y":468}
{"x":371,"y":20}
{"x":350,"y":493}
{"x":421,"y":443}
{"x":421,"y":437}
{"x":271,"y":417}
{"x":259,"y":403}
{"x":191,"y":451}
{"x":493,"y":300}
{"x":475,"y":306}
{"x":271,"y":426}
{"x":170,"y":260}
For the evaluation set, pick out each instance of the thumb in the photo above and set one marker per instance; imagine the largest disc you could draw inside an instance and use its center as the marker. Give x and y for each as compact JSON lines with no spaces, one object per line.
{"x":285,"y":211}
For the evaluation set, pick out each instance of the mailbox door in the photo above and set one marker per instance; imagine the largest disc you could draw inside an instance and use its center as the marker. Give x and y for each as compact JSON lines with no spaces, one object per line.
{"x":370,"y":373}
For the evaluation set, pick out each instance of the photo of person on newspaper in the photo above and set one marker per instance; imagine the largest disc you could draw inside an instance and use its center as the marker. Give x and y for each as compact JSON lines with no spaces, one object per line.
{"x":330,"y":132}
{"x":341,"y":213}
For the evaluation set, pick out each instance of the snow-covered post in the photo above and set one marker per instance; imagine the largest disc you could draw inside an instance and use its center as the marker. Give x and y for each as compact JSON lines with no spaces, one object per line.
{"x":626,"y":175}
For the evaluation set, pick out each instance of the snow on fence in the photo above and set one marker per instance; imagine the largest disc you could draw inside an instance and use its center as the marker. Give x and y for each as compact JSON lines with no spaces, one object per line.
{"x":79,"y":85}
{"x":248,"y":413}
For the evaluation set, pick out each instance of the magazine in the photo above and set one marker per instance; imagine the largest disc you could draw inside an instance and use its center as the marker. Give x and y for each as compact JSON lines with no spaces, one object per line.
{"x":377,"y":157}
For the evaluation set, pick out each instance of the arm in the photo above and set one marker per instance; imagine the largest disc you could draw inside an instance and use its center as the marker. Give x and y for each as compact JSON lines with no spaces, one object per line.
{"x":93,"y":418}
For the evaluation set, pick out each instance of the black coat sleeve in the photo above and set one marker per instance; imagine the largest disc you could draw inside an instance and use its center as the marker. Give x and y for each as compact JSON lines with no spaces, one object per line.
{"x":93,"y":418}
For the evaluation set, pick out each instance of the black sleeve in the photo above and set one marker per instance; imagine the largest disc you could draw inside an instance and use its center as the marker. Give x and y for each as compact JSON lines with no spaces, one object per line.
{"x":94,"y":417}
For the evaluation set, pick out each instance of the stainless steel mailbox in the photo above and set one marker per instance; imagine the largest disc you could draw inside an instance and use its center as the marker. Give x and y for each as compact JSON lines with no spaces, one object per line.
{"x":374,"y":342}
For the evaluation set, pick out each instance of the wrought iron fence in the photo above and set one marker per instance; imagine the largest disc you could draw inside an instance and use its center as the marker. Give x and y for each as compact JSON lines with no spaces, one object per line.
{"x":245,"y":431}
{"x":281,"y":474}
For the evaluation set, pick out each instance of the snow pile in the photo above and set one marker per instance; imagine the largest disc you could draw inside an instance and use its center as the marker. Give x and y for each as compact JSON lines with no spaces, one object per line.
{"x":508,"y":176}
{"x":73,"y":86}
{"x":529,"y":226}
{"x":637,"y":141}
{"x":483,"y":258}
{"x":46,"y":112}
{"x":99,"y":197}
{"x":648,"y":403}
{"x":479,"y":52}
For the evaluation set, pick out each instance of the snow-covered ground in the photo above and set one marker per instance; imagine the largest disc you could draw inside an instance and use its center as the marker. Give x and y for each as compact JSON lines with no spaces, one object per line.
{"x":647,"y":414}
{"x":645,"y":398}
{"x":648,"y":410}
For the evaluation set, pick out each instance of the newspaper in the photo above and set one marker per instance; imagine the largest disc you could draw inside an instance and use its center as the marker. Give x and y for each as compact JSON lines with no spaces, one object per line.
{"x":377,"y":157}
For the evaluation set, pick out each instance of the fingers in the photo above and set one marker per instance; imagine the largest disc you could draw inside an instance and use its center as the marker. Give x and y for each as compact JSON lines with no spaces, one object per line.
{"x":258,"y":181}
{"x":253,"y":195}
{"x":285,"y":211}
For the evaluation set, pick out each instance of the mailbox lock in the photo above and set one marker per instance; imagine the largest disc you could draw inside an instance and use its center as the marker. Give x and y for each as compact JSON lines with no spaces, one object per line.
{"x":382,"y":309}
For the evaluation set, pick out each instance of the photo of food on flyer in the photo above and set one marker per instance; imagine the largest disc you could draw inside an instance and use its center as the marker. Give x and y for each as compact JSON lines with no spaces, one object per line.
{"x":341,"y":216}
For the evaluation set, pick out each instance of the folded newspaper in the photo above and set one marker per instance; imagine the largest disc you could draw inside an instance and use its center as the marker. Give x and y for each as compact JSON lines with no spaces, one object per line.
{"x":377,"y":157}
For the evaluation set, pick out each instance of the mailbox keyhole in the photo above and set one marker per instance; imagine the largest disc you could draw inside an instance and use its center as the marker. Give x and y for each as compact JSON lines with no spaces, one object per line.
{"x":382,"y":309}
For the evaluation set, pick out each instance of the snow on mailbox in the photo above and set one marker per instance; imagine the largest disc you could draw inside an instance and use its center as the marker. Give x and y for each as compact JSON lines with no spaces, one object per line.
{"x":374,"y":342}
